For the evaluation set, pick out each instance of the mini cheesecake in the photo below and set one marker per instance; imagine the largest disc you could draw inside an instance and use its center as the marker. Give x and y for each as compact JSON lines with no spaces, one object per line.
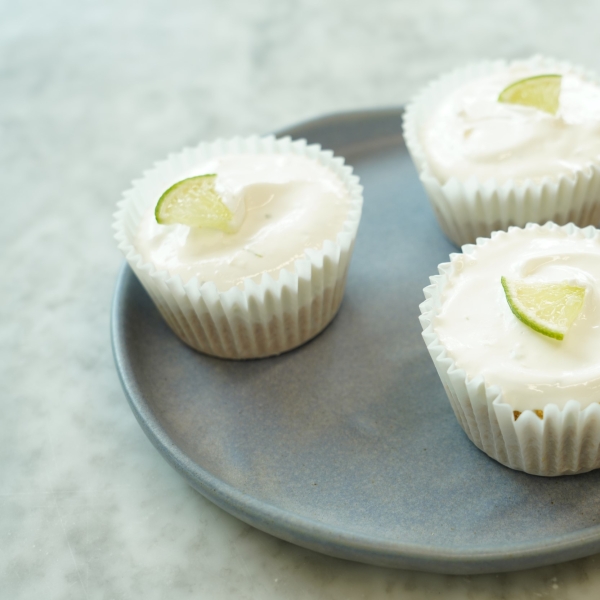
{"x":268,"y":278}
{"x":526,"y":399}
{"x":487,"y":163}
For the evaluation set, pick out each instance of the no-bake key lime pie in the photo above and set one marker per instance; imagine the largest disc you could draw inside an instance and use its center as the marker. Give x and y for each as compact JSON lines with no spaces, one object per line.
{"x":499,"y":144}
{"x":243,"y":245}
{"x":513,"y":327}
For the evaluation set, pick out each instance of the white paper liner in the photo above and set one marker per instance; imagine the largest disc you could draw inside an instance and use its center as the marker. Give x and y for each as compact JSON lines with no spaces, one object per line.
{"x":470,"y":209}
{"x":264,"y":318}
{"x":565,"y":441}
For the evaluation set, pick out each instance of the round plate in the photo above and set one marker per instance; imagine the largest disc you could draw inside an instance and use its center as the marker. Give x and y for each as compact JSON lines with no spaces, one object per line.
{"x":348,"y":445}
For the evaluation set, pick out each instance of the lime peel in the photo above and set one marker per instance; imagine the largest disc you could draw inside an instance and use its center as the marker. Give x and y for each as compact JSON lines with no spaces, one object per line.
{"x":548,"y":308}
{"x":194,"y":202}
{"x":540,"y":91}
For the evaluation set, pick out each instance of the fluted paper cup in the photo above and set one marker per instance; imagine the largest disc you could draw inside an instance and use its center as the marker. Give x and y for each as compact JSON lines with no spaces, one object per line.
{"x":470,"y":209}
{"x":262,"y":317}
{"x":549,"y":441}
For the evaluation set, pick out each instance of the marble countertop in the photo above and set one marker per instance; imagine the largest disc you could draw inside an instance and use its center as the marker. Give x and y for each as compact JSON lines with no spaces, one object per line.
{"x":90,"y":95}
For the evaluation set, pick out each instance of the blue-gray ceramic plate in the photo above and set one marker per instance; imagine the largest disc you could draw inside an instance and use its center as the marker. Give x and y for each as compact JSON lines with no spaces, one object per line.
{"x":348,"y":445}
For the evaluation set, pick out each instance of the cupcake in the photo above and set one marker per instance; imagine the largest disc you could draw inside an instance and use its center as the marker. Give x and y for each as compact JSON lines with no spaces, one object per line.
{"x":513,"y":327}
{"x":243,"y":245}
{"x":499,"y":144}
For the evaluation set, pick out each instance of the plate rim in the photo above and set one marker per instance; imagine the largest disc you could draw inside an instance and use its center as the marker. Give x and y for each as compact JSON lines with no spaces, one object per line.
{"x":310,"y":533}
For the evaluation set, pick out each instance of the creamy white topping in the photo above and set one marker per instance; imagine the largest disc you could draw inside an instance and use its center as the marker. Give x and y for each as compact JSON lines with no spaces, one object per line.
{"x":481,"y":334}
{"x":471,"y":134}
{"x":286,"y":204}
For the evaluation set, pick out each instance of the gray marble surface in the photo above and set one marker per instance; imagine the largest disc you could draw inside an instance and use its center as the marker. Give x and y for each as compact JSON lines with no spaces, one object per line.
{"x":91,"y":93}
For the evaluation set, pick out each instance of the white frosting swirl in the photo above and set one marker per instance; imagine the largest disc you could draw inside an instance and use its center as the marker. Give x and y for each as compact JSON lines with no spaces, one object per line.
{"x":480,"y":333}
{"x":284,"y":205}
{"x":471,"y":134}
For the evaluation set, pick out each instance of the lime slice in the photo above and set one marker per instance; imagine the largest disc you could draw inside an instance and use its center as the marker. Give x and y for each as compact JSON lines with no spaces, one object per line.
{"x":541,"y":92}
{"x":194,"y":202}
{"x":549,"y":308}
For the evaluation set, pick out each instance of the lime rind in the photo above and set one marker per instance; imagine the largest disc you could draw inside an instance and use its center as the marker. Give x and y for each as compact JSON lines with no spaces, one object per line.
{"x":540,"y":91}
{"x":194,"y":202}
{"x":548,"y":308}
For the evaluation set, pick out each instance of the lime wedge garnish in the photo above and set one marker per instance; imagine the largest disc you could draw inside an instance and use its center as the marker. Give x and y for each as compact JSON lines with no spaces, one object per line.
{"x":549,"y":308}
{"x":194,"y":202}
{"x":541,"y":92}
